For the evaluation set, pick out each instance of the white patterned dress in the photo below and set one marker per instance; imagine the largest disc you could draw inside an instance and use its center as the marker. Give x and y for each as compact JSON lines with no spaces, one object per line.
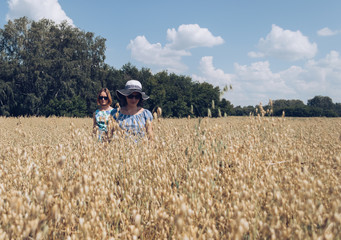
{"x":102,"y":120}
{"x":134,"y":125}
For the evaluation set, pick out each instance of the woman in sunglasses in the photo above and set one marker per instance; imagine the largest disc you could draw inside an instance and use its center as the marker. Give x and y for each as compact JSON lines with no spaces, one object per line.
{"x":131,"y":116}
{"x":102,"y":115}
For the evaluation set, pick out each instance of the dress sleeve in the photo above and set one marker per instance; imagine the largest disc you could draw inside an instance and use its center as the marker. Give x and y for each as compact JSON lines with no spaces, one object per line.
{"x":148,"y":115}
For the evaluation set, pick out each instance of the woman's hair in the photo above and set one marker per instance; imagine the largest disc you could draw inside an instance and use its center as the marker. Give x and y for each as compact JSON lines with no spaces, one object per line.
{"x":123,"y":101}
{"x":108,"y":94}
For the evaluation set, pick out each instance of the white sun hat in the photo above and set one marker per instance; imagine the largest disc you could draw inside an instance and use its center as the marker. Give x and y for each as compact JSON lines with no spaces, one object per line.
{"x":130,"y":87}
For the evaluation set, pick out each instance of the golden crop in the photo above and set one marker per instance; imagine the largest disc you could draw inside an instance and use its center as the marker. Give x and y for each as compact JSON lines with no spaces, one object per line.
{"x":225,"y":178}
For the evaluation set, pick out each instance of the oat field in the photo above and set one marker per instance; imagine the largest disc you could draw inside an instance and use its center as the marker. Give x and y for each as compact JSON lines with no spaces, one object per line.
{"x":224,"y":178}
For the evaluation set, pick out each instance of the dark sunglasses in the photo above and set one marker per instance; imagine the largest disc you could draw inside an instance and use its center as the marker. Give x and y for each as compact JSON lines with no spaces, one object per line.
{"x":138,"y":96}
{"x":100,"y":97}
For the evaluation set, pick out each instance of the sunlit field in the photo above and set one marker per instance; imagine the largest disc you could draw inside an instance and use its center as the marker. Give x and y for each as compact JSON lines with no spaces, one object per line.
{"x":225,"y":178}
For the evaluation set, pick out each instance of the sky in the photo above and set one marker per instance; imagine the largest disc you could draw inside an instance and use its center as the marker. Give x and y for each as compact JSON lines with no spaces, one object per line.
{"x":264,"y":49}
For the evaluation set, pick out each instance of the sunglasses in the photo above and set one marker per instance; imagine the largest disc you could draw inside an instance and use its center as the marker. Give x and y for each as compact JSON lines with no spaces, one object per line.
{"x":100,"y":98}
{"x":134,"y":96}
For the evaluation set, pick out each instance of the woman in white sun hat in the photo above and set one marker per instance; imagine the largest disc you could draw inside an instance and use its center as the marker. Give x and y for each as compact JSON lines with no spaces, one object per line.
{"x":131,"y":116}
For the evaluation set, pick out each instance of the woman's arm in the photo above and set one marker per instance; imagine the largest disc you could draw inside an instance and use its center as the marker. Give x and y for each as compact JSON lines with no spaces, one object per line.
{"x":149,"y":130}
{"x":94,"y":127}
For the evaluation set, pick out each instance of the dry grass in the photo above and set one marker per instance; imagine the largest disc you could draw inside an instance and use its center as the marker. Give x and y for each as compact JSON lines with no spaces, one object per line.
{"x":227,"y":178}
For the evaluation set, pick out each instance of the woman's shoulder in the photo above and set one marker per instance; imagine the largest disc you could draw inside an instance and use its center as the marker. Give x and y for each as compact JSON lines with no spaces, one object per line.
{"x":146,"y":111}
{"x":113,"y":111}
{"x":109,"y":110}
{"x":147,"y":114}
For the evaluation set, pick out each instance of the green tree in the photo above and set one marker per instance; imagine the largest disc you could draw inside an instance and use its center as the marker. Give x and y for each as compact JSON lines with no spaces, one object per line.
{"x":321,"y":102}
{"x":226,"y":107}
{"x":322,"y":106}
{"x":338,"y":109}
{"x":286,"y":105}
{"x":42,"y":61}
{"x":6,"y":97}
{"x":203,"y":94}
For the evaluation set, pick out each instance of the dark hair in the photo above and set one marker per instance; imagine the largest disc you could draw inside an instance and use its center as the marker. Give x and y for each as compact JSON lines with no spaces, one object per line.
{"x":108,"y":94}
{"x":123,"y":101}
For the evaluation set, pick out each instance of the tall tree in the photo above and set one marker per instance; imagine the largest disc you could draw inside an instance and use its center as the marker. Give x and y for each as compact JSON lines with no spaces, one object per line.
{"x":44,"y":63}
{"x":321,"y":102}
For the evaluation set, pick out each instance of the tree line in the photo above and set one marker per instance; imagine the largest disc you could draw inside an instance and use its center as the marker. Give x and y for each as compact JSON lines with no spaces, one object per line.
{"x":56,"y":69}
{"x":319,"y":106}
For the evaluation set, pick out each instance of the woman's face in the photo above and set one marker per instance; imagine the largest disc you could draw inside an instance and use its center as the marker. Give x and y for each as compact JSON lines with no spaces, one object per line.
{"x":103,"y":99}
{"x":133,"y":99}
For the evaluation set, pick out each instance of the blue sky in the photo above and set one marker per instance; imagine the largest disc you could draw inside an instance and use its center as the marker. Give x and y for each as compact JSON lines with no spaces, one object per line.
{"x":264,"y":49}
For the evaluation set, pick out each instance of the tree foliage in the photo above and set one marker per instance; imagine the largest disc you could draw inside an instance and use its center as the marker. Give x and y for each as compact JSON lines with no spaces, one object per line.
{"x":43,"y":63}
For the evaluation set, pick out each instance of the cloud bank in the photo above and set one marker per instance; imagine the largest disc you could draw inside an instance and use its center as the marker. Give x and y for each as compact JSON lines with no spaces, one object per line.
{"x":285,"y":45}
{"x":211,"y":74}
{"x":180,"y":42}
{"x":37,"y":9}
{"x":191,"y":36}
{"x":142,"y":50}
{"x":257,"y":83}
{"x":326,"y":32}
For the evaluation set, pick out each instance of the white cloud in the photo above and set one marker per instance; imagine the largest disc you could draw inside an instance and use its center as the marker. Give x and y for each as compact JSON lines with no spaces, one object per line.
{"x":212,"y":75}
{"x":155,"y":54}
{"x":331,"y":62}
{"x":257,"y":83}
{"x":257,"y":73}
{"x":324,"y":32}
{"x":256,"y":54}
{"x":169,"y":57}
{"x":37,"y":9}
{"x":326,"y":74}
{"x":285,"y":44}
{"x":321,"y":77}
{"x":191,"y":36}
